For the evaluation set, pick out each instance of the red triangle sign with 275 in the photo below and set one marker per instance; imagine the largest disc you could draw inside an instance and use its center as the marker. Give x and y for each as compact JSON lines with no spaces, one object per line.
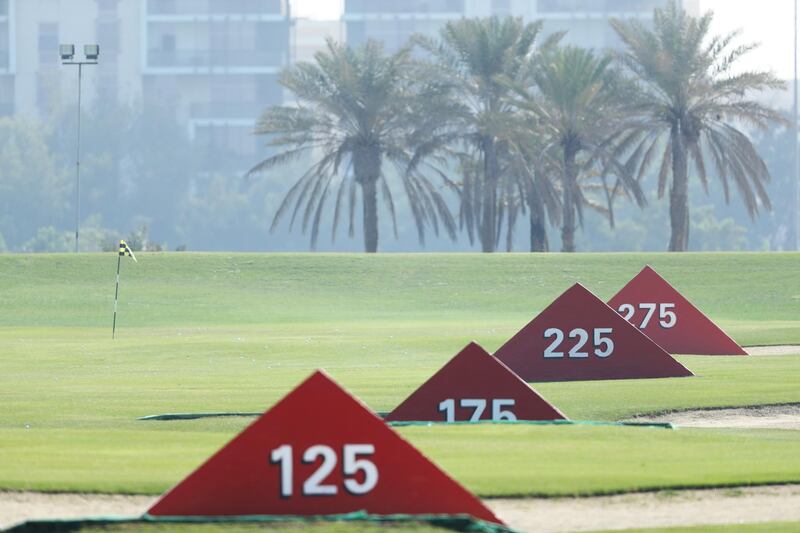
{"x":579,"y":337}
{"x":472,"y":386}
{"x":650,"y":303}
{"x":318,"y":451}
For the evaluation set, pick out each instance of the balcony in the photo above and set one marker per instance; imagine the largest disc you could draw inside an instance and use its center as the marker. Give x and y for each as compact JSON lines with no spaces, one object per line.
{"x":598,"y":6}
{"x":225,"y":110}
{"x":245,"y":60}
{"x":202,"y":8}
{"x":393,"y":7}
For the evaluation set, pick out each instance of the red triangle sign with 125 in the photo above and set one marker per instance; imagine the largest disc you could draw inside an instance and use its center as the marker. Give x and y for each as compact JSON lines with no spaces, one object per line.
{"x":579,"y":337}
{"x":472,"y":386}
{"x":318,"y":451}
{"x":650,"y":303}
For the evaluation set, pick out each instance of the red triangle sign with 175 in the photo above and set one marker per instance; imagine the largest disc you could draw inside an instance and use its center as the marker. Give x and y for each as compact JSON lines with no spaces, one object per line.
{"x":472,"y":386}
{"x":579,"y":337}
{"x":650,"y":303}
{"x":318,"y":451}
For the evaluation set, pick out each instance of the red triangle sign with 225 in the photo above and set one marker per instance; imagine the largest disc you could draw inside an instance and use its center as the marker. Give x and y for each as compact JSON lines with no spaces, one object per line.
{"x":318,"y":451}
{"x":579,"y":337}
{"x":650,"y":303}
{"x":472,"y":386}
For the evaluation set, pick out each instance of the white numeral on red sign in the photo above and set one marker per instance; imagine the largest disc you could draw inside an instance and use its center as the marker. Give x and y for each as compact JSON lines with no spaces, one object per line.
{"x":448,"y":407}
{"x":314,"y":485}
{"x":666,"y":315}
{"x":603,"y":345}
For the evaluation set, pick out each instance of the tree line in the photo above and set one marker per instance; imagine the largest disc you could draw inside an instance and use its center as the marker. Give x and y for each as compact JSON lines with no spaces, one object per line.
{"x":490,"y":124}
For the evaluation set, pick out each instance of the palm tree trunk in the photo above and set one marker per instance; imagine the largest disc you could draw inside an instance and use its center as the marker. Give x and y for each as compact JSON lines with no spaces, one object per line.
{"x":679,"y":194}
{"x":489,"y":215}
{"x":538,"y":228}
{"x":367,"y":169}
{"x":370,"y":192}
{"x":568,"y":199}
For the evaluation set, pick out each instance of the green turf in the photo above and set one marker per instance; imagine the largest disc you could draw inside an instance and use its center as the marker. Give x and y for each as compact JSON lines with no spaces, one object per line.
{"x":234,"y":332}
{"x":491,"y":460}
{"x":237,"y":289}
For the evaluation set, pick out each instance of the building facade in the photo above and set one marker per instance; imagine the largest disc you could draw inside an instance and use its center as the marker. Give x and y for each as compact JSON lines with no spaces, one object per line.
{"x":7,"y":57}
{"x":216,"y":63}
{"x":585,"y":21}
{"x":212,"y":63}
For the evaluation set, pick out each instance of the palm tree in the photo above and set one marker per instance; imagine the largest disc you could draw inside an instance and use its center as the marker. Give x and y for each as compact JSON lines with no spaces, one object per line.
{"x":355,"y":110}
{"x":691,"y":100}
{"x":473,"y":57}
{"x":576,"y":101}
{"x":531,"y":186}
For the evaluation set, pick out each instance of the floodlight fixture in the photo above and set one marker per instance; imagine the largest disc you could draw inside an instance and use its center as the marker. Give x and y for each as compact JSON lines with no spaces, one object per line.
{"x":91,"y":51}
{"x":66,"y":51}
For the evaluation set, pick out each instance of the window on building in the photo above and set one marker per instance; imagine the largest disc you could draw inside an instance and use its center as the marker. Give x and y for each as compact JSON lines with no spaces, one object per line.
{"x":168,"y":42}
{"x":48,"y":42}
{"x":106,"y":6}
{"x":501,"y":7}
{"x":6,"y":96}
{"x":161,"y":6}
{"x":4,"y":46}
{"x":108,"y":36}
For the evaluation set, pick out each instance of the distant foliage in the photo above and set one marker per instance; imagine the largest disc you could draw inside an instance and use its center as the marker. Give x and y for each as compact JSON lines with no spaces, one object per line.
{"x":691,"y":104}
{"x":355,"y":111}
{"x":461,"y":139}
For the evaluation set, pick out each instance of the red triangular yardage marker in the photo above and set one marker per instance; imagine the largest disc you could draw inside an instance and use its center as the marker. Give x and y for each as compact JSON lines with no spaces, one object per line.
{"x":318,"y":451}
{"x":474,"y":385}
{"x":579,"y":337}
{"x":650,"y":303}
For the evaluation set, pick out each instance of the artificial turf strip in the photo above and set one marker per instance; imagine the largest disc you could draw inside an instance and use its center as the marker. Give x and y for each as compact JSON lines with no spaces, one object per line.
{"x":357,"y":521}
{"x":235,"y":332}
{"x":336,"y":527}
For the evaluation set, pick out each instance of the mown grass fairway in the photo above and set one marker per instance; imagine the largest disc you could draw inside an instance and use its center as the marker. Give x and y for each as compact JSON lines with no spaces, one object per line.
{"x":234,"y":332}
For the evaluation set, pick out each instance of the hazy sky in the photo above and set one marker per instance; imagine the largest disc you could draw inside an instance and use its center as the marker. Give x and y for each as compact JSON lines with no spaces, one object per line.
{"x":766,"y":21}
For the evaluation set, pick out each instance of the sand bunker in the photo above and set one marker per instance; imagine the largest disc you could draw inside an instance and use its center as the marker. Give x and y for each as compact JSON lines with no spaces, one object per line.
{"x":674,"y":508}
{"x":789,"y":349}
{"x":660,"y":509}
{"x":757,"y":417}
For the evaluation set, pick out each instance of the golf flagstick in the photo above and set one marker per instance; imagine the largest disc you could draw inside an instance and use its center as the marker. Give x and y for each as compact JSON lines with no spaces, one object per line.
{"x":124,"y":249}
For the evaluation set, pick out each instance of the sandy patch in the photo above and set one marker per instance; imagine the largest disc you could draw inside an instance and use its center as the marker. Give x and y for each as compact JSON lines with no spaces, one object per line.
{"x":19,"y":506}
{"x":684,"y":508}
{"x":756,"y":417}
{"x":790,"y":349}
{"x":692,"y":507}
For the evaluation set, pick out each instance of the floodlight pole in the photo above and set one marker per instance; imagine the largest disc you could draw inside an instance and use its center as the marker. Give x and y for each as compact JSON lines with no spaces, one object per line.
{"x":794,"y":143}
{"x":80,"y":65}
{"x":78,"y":166}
